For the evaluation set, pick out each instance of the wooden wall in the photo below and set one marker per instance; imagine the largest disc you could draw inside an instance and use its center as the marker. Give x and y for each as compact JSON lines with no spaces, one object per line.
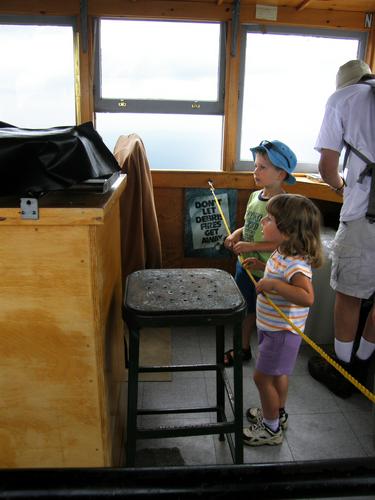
{"x":169,"y":199}
{"x":169,"y":185}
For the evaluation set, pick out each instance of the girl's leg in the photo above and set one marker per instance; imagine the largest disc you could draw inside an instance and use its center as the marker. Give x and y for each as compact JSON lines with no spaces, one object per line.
{"x":281,"y":384}
{"x":269,"y":395}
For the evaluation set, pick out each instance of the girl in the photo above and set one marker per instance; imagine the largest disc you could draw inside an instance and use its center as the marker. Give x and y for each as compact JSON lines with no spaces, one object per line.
{"x":293,"y":224}
{"x":274,"y":163}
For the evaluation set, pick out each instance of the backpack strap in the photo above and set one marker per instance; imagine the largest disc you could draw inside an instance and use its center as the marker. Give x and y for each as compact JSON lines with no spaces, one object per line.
{"x":368,"y":170}
{"x":370,"y":166}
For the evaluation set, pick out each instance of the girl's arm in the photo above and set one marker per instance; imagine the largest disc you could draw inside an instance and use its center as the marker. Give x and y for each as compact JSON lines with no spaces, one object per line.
{"x":253,"y":264}
{"x":299,"y":291}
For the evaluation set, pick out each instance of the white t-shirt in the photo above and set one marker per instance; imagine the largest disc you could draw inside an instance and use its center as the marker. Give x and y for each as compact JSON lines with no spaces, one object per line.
{"x":350,"y":115}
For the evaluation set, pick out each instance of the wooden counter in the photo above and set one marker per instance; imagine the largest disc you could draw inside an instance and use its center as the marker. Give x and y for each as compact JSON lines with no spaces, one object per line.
{"x":61,"y":332}
{"x":239,"y":180}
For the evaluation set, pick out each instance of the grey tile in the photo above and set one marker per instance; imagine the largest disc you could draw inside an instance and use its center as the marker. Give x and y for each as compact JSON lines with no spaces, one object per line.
{"x":185,"y":346}
{"x":306,"y":395}
{"x":326,"y":436}
{"x":173,"y":419}
{"x":304,"y":355}
{"x":362,"y":424}
{"x":140,"y":394}
{"x":355,"y":402}
{"x":194,"y":450}
{"x":222,"y":452}
{"x":321,"y":425}
{"x":176,"y":394}
{"x":268,"y":454}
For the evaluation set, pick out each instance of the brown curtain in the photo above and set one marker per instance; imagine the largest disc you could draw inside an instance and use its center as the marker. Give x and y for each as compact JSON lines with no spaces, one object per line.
{"x":140,"y":237}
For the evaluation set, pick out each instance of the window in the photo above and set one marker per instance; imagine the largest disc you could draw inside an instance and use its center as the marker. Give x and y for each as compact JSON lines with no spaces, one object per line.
{"x":163,"y":80}
{"x":287,"y":76}
{"x":37,"y":72}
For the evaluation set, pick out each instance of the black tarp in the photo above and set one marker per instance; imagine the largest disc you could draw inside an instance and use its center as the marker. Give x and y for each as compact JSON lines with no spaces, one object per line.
{"x":35,"y":161}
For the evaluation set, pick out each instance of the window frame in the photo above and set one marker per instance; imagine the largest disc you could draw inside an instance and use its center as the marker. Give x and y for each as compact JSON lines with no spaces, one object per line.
{"x":361,"y":36}
{"x":161,"y":106}
{"x":29,"y":20}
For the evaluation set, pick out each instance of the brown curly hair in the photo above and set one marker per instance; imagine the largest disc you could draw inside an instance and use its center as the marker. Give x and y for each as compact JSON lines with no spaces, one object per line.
{"x":299,"y":219}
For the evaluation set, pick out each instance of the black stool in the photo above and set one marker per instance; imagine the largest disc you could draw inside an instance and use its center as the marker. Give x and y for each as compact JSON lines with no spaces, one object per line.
{"x":183,"y":297}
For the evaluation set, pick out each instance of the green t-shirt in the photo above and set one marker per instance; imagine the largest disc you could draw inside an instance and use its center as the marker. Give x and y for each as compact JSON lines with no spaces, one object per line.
{"x":252,"y":230}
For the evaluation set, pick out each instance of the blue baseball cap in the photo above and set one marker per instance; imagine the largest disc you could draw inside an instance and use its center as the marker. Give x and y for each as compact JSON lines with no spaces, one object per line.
{"x":280,"y":156}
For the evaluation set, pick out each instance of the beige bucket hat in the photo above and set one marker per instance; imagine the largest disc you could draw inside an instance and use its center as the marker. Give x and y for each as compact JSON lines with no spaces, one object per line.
{"x":351,"y":72}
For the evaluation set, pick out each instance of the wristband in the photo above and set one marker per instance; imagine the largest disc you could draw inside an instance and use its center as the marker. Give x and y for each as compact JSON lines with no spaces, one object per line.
{"x":340,"y":189}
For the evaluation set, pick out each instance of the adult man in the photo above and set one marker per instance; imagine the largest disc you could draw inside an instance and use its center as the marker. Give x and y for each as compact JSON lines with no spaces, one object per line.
{"x":350,"y":119}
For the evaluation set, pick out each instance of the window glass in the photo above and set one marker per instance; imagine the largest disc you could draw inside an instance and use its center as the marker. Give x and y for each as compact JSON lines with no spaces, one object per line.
{"x":174,"y":142}
{"x":287,"y":80}
{"x":159,"y":60}
{"x":37,"y":76}
{"x":166,"y":85}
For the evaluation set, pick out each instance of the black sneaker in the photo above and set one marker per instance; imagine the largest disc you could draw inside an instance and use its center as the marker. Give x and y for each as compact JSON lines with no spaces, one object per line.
{"x":327,"y":375}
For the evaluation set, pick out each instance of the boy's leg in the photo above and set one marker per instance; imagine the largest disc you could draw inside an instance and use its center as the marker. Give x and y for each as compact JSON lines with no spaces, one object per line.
{"x":248,"y":291}
{"x":248,"y":326}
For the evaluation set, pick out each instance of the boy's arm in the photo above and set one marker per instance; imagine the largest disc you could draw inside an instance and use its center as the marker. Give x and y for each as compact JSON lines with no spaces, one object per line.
{"x":251,"y":246}
{"x":263,"y":246}
{"x":299,"y":291}
{"x":233,"y":238}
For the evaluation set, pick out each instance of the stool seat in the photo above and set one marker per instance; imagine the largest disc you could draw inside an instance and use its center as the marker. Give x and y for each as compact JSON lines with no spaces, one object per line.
{"x":193,"y":295}
{"x":184,"y":297}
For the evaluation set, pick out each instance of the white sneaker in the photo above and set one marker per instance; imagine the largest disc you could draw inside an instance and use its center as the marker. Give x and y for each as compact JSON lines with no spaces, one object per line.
{"x":255,"y":415}
{"x":259,"y":434}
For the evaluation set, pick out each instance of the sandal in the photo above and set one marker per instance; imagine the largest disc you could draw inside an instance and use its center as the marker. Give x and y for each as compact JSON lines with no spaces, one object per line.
{"x":228,"y":356}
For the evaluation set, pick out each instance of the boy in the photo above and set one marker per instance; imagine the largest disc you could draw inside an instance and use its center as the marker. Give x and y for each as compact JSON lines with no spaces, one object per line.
{"x":274,"y":163}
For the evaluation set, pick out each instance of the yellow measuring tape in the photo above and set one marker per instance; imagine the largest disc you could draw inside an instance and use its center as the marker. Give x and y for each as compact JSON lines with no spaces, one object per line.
{"x":370,"y":395}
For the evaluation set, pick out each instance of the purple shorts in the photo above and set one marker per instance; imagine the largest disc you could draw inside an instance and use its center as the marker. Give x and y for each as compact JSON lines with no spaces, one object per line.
{"x":277,"y":352}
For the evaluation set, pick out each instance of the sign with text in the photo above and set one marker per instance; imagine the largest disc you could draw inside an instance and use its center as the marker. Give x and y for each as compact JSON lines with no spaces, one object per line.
{"x":204,"y":228}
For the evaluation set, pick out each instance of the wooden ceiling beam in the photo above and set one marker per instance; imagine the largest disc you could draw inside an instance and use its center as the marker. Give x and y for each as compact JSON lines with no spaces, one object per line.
{"x":303,"y":4}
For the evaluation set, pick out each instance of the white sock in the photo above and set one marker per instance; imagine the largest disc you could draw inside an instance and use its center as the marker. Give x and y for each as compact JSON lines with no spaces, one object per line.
{"x":365,"y":349}
{"x":343,"y":350}
{"x":272,"y":424}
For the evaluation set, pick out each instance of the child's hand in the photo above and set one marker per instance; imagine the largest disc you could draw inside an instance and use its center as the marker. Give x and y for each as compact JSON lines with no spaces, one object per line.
{"x":228,"y":242}
{"x":266,"y":285}
{"x":242,"y":247}
{"x":232,"y":239}
{"x":253,"y":264}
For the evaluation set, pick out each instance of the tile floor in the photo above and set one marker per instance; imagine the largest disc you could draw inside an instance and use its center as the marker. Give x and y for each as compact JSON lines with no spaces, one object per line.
{"x":321,"y":425}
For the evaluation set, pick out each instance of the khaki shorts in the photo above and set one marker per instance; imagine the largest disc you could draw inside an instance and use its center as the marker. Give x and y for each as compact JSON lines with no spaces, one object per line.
{"x":353,"y":259}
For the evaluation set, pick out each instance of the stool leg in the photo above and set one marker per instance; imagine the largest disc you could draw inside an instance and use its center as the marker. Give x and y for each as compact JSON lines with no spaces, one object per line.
{"x":132,"y":396}
{"x":220,"y":392}
{"x":238,"y":384}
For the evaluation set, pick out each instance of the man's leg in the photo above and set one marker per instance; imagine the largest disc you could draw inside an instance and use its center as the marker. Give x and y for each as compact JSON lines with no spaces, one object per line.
{"x":362,"y":358}
{"x":346,"y":319}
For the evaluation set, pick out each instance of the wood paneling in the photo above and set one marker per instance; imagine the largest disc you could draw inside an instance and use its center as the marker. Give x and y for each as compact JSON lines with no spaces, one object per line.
{"x":61,"y":341}
{"x":169,"y":200}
